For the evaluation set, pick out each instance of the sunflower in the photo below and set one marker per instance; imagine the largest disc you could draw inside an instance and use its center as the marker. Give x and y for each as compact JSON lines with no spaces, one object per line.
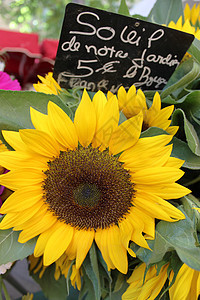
{"x":193,"y":14}
{"x":88,"y":180}
{"x":186,"y":27}
{"x":48,"y":85}
{"x":131,"y":103}
{"x":185,"y":287}
{"x":148,"y":288}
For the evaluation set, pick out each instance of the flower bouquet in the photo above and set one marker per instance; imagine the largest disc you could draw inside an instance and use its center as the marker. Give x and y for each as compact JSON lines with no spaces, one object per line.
{"x":104,"y":188}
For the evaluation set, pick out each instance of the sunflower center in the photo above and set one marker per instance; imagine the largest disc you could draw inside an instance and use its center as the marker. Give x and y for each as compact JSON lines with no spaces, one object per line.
{"x":88,"y":188}
{"x":87,"y":195}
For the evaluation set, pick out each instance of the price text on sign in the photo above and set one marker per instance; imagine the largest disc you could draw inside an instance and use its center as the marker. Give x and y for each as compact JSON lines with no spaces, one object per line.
{"x":102,"y":50}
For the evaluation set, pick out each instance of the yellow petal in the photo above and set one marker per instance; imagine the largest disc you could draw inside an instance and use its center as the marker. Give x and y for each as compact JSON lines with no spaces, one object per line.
{"x":39,"y":120}
{"x":12,"y":160}
{"x":126,"y":135}
{"x":99,"y":101}
{"x":42,"y":240}
{"x":101,"y":241}
{"x":116,"y":250}
{"x":62,"y":127}
{"x":22,"y":177}
{"x":85,"y":240}
{"x":40,"y":142}
{"x":14,"y":140}
{"x":18,"y":218}
{"x":107,"y":123}
{"x":166,"y":191}
{"x":157,"y":175}
{"x":85,"y":120}
{"x":47,"y":221}
{"x":22,"y":199}
{"x":80,"y":245}
{"x":58,"y":243}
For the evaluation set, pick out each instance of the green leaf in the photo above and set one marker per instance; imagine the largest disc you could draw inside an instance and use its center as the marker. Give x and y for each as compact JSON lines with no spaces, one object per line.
{"x":10,"y":249}
{"x":191,"y":135}
{"x":91,"y":267}
{"x":153,"y":131}
{"x":186,"y":72}
{"x":194,"y":50}
{"x":191,"y":104}
{"x":182,"y":151}
{"x":52,"y":289}
{"x":178,"y":236}
{"x":123,"y":9}
{"x":118,"y":295}
{"x":165,"y":11}
{"x":87,"y":290}
{"x":15,"y":108}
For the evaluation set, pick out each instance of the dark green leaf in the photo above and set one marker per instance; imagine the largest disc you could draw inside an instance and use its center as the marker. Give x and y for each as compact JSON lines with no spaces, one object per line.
{"x":52,"y":289}
{"x":191,"y":135}
{"x":182,"y":151}
{"x":10,"y":249}
{"x":91,"y":267}
{"x":87,"y":291}
{"x":165,"y":11}
{"x":153,"y":131}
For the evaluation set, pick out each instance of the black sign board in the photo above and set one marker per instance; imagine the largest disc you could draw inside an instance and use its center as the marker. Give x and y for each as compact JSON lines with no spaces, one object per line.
{"x":99,"y":50}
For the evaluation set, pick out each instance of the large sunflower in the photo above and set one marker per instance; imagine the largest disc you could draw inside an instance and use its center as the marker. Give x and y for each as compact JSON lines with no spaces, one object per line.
{"x":88,"y":180}
{"x":133,"y":102}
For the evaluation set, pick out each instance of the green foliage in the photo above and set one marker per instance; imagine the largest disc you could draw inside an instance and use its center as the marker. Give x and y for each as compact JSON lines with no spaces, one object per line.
{"x":165,"y":11}
{"x":179,"y":236}
{"x":10,"y":249}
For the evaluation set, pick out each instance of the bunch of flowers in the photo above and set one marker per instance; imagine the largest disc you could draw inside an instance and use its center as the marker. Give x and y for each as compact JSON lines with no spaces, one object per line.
{"x":105,"y":197}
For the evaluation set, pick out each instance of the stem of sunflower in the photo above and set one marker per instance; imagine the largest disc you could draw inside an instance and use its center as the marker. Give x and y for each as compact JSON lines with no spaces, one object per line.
{"x":5,"y":291}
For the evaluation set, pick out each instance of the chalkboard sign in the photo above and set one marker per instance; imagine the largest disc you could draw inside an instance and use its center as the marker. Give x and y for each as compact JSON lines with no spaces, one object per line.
{"x":99,"y":50}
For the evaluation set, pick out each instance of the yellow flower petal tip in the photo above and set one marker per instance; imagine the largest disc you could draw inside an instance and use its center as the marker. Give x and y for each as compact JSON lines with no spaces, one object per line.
{"x":48,"y":85}
{"x":134,"y":102}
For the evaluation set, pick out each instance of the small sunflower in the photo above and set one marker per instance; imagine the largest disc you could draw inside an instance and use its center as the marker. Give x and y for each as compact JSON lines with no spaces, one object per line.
{"x":186,"y":27}
{"x":148,"y":288}
{"x":88,"y":180}
{"x":131,"y":103}
{"x":48,"y":85}
{"x":185,"y":287}
{"x":193,"y":14}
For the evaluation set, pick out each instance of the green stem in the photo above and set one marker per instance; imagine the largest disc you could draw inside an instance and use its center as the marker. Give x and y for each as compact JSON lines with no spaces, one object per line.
{"x":5,"y":291}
